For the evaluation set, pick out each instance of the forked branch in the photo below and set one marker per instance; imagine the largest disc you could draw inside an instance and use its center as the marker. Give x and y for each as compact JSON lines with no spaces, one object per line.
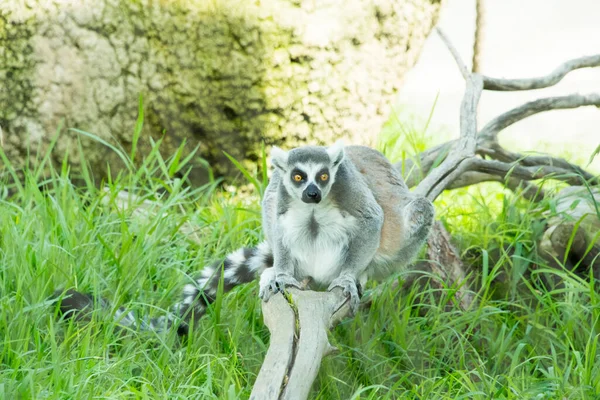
{"x":461,"y":167}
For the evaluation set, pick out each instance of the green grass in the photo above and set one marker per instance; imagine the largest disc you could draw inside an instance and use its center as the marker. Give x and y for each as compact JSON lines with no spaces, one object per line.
{"x":520,"y":341}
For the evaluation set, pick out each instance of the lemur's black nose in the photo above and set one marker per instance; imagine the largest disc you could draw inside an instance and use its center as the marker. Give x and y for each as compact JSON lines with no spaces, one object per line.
{"x":311,"y":194}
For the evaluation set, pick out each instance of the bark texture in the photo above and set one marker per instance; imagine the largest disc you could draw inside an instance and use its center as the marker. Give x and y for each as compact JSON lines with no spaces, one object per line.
{"x":223,"y":74}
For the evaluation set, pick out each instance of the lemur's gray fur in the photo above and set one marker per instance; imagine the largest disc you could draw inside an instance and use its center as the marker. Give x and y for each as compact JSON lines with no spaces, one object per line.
{"x":336,"y":215}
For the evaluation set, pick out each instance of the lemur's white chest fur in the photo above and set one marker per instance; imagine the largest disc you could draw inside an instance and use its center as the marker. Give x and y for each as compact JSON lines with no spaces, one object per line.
{"x":317,"y":237}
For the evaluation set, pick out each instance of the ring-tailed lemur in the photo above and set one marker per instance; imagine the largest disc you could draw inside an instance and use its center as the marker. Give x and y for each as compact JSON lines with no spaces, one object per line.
{"x":336,"y":215}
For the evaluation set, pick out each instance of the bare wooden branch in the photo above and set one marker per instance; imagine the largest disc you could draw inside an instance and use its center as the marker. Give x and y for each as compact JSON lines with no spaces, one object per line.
{"x":527,"y":190}
{"x":413,"y":170}
{"x":281,"y":321}
{"x":460,"y":167}
{"x":490,"y":131}
{"x":544,"y":81}
{"x":477,"y":171}
{"x":464,"y":149}
{"x":452,"y":166}
{"x":298,"y":341}
{"x":495,"y":151}
{"x":464,"y":71}
{"x":521,"y":172}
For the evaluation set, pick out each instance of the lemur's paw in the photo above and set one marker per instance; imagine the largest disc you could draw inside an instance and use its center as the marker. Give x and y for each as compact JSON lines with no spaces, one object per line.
{"x":350,"y":287}
{"x":272,"y":282}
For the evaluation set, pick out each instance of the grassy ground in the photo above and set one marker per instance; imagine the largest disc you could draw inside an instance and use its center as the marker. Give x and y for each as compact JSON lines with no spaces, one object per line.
{"x":520,"y":342}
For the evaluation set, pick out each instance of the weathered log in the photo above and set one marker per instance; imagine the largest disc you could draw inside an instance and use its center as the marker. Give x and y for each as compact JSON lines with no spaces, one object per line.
{"x":299,"y":323}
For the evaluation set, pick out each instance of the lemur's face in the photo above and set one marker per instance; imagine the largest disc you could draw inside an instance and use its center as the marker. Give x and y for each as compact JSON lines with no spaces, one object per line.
{"x":308,"y":172}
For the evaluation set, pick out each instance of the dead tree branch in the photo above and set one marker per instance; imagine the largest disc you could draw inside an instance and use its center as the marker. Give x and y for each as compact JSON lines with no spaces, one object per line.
{"x":414,"y":171}
{"x":526,"y":173}
{"x":491,"y":130}
{"x":299,"y":326}
{"x":464,"y":71}
{"x":464,"y":149}
{"x":544,"y":81}
{"x":509,"y":167}
{"x":527,"y":190}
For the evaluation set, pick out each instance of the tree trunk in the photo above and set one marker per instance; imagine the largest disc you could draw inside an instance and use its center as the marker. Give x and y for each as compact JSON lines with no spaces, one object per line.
{"x":223,"y":74}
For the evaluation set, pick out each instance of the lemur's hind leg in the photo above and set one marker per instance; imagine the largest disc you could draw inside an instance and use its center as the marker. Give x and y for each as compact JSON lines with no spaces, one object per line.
{"x":418,"y":216}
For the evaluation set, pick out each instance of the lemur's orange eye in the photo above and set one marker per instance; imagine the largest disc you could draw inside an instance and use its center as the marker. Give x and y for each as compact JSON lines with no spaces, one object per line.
{"x":324,"y":177}
{"x":297,"y":177}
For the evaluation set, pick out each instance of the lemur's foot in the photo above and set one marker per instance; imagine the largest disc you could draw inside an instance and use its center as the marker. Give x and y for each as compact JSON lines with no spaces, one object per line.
{"x":272,"y":282}
{"x":419,"y":215}
{"x":351,"y":288}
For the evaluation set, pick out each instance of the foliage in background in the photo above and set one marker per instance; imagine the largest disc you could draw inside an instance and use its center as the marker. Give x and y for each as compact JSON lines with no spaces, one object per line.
{"x":521,"y":340}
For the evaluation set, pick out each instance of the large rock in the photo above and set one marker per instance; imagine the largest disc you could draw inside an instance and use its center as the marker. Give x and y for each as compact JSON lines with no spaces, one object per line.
{"x":222,"y":73}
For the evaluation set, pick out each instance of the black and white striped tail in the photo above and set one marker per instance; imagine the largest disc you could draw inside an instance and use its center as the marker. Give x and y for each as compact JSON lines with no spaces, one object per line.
{"x":241,"y":266}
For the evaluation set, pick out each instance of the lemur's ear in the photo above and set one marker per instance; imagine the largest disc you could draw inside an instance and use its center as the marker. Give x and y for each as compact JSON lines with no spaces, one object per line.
{"x":279,"y":158}
{"x":336,"y":152}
